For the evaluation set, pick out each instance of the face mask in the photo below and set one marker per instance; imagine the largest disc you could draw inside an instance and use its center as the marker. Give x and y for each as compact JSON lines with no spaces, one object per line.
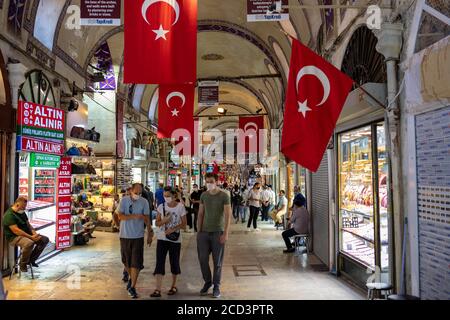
{"x":168,"y":199}
{"x":211,"y":186}
{"x":21,"y":211}
{"x":135,"y":196}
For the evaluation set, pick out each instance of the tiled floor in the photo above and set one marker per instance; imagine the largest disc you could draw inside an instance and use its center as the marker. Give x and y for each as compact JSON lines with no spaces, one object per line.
{"x":254,"y":268}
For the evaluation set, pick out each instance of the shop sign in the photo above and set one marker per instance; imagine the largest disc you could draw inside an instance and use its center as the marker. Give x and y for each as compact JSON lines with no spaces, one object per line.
{"x":38,"y":160}
{"x":40,"y":146}
{"x":208,"y":94}
{"x":195,"y":172}
{"x":100,"y":12}
{"x":258,"y":10}
{"x":39,"y":121}
{"x":173,"y":172}
{"x":139,"y":154}
{"x":64,"y":203}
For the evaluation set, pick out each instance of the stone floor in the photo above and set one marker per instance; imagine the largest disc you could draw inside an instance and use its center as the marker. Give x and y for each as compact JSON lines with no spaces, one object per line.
{"x":94,"y":271}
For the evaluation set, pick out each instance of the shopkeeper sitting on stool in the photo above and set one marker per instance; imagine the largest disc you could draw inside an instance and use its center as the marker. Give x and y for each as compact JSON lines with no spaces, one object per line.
{"x":19,"y":232}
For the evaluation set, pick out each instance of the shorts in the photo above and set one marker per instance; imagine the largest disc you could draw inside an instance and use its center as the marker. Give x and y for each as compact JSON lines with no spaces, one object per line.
{"x":132,"y":251}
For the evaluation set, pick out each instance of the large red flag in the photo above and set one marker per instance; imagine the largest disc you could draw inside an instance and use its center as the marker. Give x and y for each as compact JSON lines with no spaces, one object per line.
{"x":315,"y":96}
{"x":160,"y":41}
{"x":249,"y":137}
{"x":176,"y":114}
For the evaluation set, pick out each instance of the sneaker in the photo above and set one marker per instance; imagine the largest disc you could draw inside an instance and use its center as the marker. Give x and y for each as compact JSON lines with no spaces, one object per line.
{"x":132,"y":292}
{"x":125,"y":277}
{"x":205,"y":289}
{"x":257,"y":230}
{"x":249,"y":230}
{"x":216,"y":292}
{"x":129,"y":284}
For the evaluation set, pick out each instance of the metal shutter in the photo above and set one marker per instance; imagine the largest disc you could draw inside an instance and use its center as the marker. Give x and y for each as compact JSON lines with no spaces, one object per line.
{"x":320,"y":211}
{"x":433,"y":201}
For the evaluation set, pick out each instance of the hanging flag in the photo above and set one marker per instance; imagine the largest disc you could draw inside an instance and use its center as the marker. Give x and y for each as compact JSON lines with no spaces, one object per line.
{"x":315,"y":96}
{"x":249,"y":139}
{"x":160,"y":41}
{"x":176,"y":115}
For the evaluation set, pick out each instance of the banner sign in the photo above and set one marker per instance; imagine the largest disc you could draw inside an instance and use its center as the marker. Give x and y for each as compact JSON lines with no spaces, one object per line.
{"x":208,"y":94}
{"x":40,"y":146}
{"x":39,"y":121}
{"x":38,"y":160}
{"x":100,"y":12}
{"x":64,"y":204}
{"x":258,"y":10}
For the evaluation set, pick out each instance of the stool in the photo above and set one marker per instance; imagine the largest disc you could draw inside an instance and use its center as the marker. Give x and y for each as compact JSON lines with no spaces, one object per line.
{"x":297,"y":237}
{"x":402,"y":297}
{"x":378,"y":287}
{"x":17,"y":267}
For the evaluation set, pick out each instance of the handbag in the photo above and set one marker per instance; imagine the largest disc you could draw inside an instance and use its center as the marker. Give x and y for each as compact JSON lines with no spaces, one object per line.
{"x":77,"y":132}
{"x":174,"y":236}
{"x":73,"y":151}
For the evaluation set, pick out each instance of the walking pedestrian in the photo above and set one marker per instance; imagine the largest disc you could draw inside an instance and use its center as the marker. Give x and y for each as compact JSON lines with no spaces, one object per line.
{"x":236,"y":200}
{"x":265,"y":203}
{"x":134,"y":214}
{"x":213,"y":226}
{"x":254,"y":199}
{"x":171,"y":218}
{"x":195,"y":202}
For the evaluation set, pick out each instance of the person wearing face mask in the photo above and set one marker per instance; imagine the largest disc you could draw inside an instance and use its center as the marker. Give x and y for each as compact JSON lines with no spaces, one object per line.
{"x":195,"y":201}
{"x":134,"y":214}
{"x":171,"y":218}
{"x":19,"y":232}
{"x":213,"y":225}
{"x":254,"y":199}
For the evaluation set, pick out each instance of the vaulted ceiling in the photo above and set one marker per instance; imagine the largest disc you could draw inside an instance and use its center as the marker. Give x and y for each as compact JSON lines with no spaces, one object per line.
{"x":240,"y":48}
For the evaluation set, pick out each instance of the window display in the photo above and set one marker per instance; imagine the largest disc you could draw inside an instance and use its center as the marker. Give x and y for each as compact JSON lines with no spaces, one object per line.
{"x":358,"y":191}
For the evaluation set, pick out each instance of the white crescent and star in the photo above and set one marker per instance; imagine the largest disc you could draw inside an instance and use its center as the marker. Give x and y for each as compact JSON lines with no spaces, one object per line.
{"x":319,"y":74}
{"x":161,"y":32}
{"x":174,"y":94}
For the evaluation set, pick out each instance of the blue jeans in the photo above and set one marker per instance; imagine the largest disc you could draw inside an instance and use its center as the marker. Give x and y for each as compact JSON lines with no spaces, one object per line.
{"x":242,"y":212}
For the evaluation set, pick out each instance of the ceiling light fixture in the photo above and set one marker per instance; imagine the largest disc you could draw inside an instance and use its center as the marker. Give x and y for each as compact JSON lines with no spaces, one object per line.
{"x":221,"y":111}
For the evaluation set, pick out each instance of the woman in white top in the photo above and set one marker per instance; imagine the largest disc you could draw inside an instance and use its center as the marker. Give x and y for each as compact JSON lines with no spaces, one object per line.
{"x":254,"y":201}
{"x":170,"y":219}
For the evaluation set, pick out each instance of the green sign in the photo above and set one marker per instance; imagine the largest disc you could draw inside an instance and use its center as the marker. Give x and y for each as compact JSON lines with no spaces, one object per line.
{"x":44,"y":160}
{"x":39,"y":133}
{"x":195,"y":172}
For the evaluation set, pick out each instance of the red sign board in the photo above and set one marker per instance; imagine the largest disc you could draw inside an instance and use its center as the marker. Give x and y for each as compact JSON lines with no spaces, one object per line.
{"x":39,"y":121}
{"x":39,"y":145}
{"x":64,"y":204}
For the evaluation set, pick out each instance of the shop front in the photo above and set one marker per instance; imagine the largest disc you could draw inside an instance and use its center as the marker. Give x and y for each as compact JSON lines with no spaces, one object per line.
{"x":363,"y":199}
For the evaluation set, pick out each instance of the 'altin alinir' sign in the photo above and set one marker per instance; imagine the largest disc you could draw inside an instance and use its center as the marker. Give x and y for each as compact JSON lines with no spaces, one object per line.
{"x":40,"y":121}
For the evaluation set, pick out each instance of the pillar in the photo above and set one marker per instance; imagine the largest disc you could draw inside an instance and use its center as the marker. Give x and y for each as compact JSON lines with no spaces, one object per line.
{"x":16,"y":72}
{"x":389,"y":45}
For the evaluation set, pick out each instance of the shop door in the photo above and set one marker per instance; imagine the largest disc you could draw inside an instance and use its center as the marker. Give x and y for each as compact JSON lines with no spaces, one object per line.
{"x":433,"y":199}
{"x":320,"y":211}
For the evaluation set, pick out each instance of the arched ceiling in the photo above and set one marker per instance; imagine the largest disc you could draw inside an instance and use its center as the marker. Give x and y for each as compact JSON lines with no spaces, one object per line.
{"x":248,"y":49}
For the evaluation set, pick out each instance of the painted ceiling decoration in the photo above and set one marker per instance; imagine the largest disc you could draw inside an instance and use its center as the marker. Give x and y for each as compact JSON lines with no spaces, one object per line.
{"x":104,"y":62}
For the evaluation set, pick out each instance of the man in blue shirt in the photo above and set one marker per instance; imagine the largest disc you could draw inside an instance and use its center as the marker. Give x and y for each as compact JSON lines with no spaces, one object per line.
{"x":159,"y":195}
{"x":134,"y":214}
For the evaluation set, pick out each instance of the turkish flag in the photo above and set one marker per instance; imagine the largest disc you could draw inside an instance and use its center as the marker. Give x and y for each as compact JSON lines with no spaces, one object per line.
{"x":249,"y":137}
{"x":160,"y":41}
{"x":315,"y":96}
{"x":176,"y":115}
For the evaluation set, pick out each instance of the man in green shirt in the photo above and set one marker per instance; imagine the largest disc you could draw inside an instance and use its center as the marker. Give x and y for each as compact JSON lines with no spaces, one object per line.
{"x":19,"y":232}
{"x":213,"y":225}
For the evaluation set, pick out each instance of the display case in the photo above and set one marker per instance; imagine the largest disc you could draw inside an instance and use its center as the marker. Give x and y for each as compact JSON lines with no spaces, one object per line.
{"x":98,"y":187}
{"x":363,"y":196}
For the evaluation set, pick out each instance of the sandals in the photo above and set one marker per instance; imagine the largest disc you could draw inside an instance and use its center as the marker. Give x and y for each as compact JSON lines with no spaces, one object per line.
{"x":156,"y":294}
{"x":172,"y":291}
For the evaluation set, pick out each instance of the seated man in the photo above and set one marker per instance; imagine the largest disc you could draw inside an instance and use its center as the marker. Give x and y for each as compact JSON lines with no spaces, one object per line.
{"x":19,"y":232}
{"x":299,"y":222}
{"x":280,"y":211}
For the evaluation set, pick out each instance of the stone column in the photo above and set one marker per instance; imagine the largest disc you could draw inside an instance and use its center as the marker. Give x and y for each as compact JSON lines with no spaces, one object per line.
{"x":389,"y":45}
{"x":16,"y":72}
